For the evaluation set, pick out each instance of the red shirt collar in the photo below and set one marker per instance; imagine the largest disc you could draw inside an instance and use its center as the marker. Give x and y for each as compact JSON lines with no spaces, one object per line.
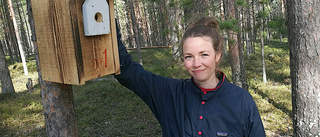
{"x":218,"y":86}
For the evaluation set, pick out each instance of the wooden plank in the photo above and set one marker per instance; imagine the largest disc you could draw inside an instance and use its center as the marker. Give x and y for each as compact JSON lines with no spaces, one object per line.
{"x":55,"y":40}
{"x":114,"y":39}
{"x":48,"y":57}
{"x":98,"y":56}
{"x":61,"y":19}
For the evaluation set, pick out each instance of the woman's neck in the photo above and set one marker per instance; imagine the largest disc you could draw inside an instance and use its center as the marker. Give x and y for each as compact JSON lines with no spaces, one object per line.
{"x":209,"y":84}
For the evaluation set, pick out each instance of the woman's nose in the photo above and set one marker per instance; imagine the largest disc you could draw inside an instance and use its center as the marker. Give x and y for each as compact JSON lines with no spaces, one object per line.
{"x":197,"y":62}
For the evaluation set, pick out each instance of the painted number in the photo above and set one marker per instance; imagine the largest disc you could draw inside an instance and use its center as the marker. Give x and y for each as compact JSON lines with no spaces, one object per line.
{"x":100,"y":60}
{"x":105,"y":58}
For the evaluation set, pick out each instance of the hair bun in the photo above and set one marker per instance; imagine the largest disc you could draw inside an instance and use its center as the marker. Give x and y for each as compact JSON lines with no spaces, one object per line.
{"x":212,"y":23}
{"x":206,"y":21}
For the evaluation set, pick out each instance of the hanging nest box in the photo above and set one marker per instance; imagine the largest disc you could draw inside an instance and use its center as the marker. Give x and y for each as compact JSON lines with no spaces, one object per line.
{"x":76,"y":39}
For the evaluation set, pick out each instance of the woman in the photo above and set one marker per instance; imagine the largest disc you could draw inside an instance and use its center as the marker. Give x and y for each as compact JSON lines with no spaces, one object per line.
{"x":205,"y":105}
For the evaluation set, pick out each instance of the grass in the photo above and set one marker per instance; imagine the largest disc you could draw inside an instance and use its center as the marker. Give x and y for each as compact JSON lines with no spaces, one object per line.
{"x":105,"y":108}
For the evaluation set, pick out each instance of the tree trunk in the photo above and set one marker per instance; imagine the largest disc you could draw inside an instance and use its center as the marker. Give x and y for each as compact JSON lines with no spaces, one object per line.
{"x":139,"y":23}
{"x":224,"y":34}
{"x":23,"y":59}
{"x":5,"y":19}
{"x":248,"y":32}
{"x":3,"y":26}
{"x":28,"y":31}
{"x":6,"y":82}
{"x":12,"y":40}
{"x":57,"y":99}
{"x":304,"y":41}
{"x":264,"y":74}
{"x":135,"y":30}
{"x":23,"y":33}
{"x":254,"y":30}
{"x":129,"y":26}
{"x":243,"y":75}
{"x":233,"y":44}
{"x":59,"y":111}
{"x":153,"y":25}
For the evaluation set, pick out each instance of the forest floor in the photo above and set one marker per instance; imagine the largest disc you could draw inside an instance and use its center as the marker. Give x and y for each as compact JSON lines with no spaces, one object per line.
{"x":105,"y":108}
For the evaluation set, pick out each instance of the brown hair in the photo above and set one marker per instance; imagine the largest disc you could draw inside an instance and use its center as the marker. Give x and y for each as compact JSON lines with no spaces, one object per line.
{"x":205,"y":26}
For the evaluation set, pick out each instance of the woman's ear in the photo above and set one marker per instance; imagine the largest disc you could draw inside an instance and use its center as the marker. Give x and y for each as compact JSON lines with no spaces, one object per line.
{"x":218,"y":56}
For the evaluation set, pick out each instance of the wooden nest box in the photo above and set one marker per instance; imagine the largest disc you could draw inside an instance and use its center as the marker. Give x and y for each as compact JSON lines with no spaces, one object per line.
{"x":76,"y":39}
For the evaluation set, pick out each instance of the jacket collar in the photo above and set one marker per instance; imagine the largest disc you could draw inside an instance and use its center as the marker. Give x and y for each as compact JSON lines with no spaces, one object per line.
{"x":207,"y":94}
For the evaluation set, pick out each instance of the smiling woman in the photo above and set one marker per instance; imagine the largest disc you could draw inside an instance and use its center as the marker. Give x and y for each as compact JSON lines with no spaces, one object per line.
{"x":200,"y":60}
{"x":204,"y":105}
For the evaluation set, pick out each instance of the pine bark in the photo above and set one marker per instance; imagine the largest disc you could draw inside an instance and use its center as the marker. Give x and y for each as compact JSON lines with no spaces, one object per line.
{"x":233,"y":44}
{"x":304,"y":42}
{"x":6,"y":81}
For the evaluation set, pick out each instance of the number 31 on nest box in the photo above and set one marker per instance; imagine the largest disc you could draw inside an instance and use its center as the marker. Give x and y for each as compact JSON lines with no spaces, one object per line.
{"x":96,"y":17}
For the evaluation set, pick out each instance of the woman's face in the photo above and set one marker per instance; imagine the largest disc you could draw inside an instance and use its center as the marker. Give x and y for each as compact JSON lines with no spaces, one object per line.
{"x":200,"y":58}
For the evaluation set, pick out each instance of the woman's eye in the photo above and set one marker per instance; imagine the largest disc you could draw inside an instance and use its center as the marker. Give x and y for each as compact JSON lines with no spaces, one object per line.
{"x":205,"y":54}
{"x":187,"y":57}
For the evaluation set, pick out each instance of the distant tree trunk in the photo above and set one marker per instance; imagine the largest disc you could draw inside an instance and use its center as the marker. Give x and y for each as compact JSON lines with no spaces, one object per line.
{"x":224,"y":34}
{"x":23,"y":32}
{"x":153,"y":25}
{"x":11,"y":36}
{"x":164,"y":23}
{"x":57,"y":99}
{"x":264,"y":74}
{"x":139,"y":24}
{"x":28,"y":31}
{"x":243,"y":75}
{"x":304,"y":41}
{"x":233,"y":44}
{"x":23,"y":59}
{"x":175,"y":27}
{"x":3,"y":26}
{"x":254,"y":30}
{"x":146,"y":25}
{"x":5,"y":19}
{"x":128,"y":26}
{"x":283,"y":14}
{"x":6,"y":82}
{"x":248,"y":32}
{"x":135,"y":30}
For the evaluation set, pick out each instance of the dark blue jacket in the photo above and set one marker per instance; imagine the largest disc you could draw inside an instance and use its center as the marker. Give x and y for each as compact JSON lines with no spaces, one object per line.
{"x":185,"y":110}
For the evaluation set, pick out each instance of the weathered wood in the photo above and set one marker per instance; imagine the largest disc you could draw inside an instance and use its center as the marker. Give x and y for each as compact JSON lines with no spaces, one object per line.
{"x":66,"y":54}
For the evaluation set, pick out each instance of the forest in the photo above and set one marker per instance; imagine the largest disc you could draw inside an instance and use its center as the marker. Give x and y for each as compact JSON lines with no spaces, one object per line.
{"x":256,"y":58}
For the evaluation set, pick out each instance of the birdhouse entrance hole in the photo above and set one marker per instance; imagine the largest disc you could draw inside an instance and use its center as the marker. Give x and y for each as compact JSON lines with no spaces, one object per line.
{"x":98,"y":17}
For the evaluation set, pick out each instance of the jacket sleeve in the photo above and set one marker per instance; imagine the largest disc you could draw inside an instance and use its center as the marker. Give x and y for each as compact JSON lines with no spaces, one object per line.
{"x":253,"y":126}
{"x":152,"y":89}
